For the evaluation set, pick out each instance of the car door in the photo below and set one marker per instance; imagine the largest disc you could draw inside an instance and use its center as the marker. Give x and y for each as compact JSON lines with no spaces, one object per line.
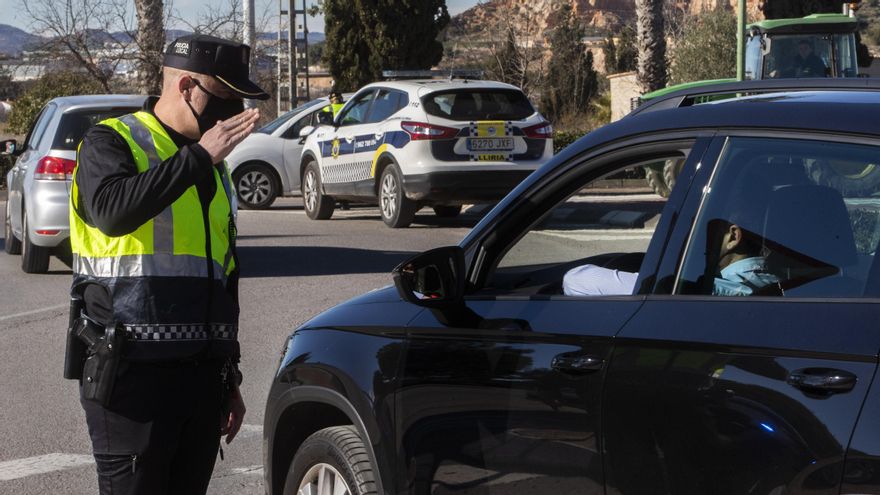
{"x":747,"y":366}
{"x":292,"y":145}
{"x":344,"y":163}
{"x":501,"y":395}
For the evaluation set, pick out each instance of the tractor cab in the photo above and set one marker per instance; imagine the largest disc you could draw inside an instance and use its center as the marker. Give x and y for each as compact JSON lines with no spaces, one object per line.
{"x":819,"y":45}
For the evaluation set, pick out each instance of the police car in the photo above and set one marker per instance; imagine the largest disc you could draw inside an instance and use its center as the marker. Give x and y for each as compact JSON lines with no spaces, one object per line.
{"x":414,"y":143}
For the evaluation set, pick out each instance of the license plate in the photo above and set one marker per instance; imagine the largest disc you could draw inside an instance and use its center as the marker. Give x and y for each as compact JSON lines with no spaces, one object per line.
{"x":490,"y":144}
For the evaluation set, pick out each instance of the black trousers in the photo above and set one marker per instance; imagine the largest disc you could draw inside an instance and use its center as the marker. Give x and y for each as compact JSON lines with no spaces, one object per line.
{"x":161,"y":430}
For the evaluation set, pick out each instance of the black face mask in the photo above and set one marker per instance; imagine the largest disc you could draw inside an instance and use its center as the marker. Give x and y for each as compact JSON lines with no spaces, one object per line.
{"x":216,"y":109}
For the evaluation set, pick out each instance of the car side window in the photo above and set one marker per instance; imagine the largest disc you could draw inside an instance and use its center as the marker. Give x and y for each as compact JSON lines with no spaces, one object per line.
{"x":786,"y":217}
{"x":357,"y":112}
{"x":387,"y":103}
{"x":591,"y":243}
{"x":292,"y":132}
{"x":40,"y":124}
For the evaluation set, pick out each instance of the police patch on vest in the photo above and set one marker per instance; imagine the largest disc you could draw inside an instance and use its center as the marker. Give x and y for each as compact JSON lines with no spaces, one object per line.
{"x":181,"y":48}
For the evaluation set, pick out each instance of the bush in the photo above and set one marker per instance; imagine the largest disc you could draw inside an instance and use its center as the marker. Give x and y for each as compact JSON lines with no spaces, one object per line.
{"x":706,"y":50}
{"x":52,"y":85}
{"x":561,"y":139}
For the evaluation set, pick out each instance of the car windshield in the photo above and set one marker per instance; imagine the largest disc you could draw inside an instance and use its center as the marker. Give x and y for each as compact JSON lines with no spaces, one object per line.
{"x":479,"y":104}
{"x":275,"y":124}
{"x":74,"y":125}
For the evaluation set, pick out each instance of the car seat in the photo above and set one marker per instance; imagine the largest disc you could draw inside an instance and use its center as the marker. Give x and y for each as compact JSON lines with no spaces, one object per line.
{"x":808,"y":234}
{"x":464,"y":107}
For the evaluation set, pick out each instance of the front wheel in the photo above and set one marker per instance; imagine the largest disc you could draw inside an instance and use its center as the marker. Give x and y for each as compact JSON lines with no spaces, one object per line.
{"x":317,"y":205}
{"x":397,"y":210}
{"x":332,"y":461}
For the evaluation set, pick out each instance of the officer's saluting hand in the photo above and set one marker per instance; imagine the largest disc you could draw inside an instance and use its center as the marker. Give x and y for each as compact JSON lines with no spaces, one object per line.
{"x":153,"y":241}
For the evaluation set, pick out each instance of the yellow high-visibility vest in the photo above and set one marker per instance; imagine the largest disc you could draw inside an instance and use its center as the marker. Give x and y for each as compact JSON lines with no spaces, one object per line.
{"x":165,"y":285}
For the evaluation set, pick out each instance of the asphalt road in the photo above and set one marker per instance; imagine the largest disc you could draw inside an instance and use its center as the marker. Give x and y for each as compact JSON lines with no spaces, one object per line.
{"x":292,"y":269}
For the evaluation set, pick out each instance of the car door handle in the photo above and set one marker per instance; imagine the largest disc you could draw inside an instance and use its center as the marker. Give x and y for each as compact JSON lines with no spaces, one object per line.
{"x":822,"y":380}
{"x":576,"y":362}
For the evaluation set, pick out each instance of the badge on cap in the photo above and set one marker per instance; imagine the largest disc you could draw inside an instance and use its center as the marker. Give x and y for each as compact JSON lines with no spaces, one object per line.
{"x":181,"y":48}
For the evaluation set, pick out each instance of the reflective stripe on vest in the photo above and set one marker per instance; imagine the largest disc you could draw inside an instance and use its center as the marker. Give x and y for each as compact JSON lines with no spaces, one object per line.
{"x":163,"y":223}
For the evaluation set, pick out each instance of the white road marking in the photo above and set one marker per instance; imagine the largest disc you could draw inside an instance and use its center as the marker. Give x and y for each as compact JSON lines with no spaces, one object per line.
{"x":247,"y":470}
{"x":36,"y":311}
{"x":601,"y":235}
{"x":19,"y":468}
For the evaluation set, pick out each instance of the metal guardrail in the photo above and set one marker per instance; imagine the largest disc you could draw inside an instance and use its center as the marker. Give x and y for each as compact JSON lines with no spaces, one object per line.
{"x":691,"y":96}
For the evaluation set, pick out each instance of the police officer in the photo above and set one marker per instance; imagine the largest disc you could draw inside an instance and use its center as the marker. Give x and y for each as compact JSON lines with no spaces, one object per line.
{"x":336,"y":103}
{"x":153,"y":238}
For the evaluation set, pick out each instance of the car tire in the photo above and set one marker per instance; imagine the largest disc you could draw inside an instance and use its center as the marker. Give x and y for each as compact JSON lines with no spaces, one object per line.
{"x":447,"y":211}
{"x":34,"y":259}
{"x":11,"y":244}
{"x":335,"y":455}
{"x":396,"y":209}
{"x":671,"y":169}
{"x":317,"y":205}
{"x":255,"y":186}
{"x":656,"y":182}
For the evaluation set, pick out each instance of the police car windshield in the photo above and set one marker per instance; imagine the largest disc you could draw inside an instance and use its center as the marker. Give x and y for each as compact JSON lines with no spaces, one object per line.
{"x":478,"y":104}
{"x":275,"y":124}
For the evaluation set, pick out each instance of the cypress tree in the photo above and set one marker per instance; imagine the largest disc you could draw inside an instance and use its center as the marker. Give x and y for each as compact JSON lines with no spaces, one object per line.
{"x":571,"y":79}
{"x":365,"y":37}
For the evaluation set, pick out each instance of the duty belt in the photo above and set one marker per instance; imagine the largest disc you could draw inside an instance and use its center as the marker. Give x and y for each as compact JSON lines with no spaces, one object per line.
{"x":142,"y":333}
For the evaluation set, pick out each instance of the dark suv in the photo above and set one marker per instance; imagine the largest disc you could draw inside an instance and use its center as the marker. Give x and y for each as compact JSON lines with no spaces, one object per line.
{"x":730,"y":347}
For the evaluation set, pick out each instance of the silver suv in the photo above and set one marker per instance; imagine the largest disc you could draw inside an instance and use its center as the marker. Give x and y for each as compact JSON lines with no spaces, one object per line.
{"x":39,"y":183}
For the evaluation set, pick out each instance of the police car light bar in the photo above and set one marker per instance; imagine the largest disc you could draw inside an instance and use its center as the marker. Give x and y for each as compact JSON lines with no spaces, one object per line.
{"x":431,"y":74}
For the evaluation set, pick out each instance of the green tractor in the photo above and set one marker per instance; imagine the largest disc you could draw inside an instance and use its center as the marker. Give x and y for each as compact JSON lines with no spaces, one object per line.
{"x":818,"y":45}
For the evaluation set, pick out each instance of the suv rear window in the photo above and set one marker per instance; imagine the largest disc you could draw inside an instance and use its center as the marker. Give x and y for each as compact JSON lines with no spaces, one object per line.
{"x":479,"y":104}
{"x":74,"y":125}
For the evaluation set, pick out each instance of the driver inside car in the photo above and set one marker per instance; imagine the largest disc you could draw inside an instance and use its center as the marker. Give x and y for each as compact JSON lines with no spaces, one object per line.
{"x":735,"y":253}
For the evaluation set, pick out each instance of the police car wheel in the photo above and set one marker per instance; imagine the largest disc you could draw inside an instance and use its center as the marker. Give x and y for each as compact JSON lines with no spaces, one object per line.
{"x":397,"y":210}
{"x":317,"y":205}
{"x":11,"y":244}
{"x":333,"y":460}
{"x":256,"y":187}
{"x":34,"y":259}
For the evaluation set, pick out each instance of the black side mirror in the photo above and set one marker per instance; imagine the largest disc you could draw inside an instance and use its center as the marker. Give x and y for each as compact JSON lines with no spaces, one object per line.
{"x":433,"y":279}
{"x":325,"y":118}
{"x":10,"y":147}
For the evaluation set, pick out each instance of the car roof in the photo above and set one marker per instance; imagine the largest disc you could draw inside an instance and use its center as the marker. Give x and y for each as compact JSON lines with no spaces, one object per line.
{"x":839,"y":112}
{"x":66,"y":103}
{"x":431,"y":85}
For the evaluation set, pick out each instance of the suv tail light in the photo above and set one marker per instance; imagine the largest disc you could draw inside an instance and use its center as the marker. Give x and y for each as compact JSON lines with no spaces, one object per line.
{"x":422,"y":130}
{"x":539,"y":131}
{"x":54,"y":168}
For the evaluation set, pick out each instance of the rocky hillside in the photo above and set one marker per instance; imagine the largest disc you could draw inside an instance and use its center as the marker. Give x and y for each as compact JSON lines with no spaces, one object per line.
{"x":485,"y":18}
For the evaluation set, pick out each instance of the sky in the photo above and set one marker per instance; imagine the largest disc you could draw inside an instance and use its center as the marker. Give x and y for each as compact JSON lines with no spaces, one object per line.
{"x":12,"y":13}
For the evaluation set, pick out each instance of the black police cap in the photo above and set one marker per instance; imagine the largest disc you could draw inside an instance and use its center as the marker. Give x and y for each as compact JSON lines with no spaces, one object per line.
{"x":227,"y":61}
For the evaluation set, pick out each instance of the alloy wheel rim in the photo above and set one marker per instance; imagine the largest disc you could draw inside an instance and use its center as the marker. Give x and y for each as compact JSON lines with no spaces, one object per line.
{"x":323,"y":479}
{"x":255,"y":187}
{"x":389,"y":196}
{"x":311,"y":191}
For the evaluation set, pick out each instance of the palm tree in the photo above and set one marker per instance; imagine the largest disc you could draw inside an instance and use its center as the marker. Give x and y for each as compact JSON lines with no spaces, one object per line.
{"x":150,"y":41}
{"x":651,"y":42}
